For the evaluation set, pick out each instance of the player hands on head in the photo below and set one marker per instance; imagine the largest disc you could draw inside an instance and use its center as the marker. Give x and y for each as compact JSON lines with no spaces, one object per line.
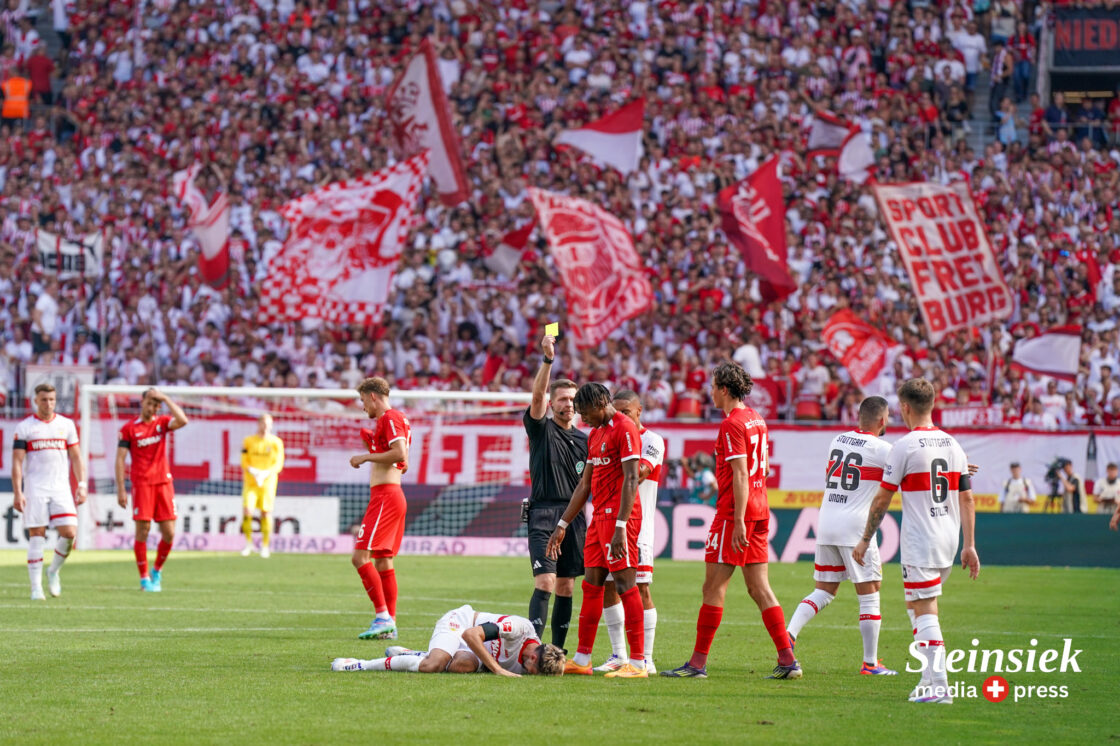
{"x":610,"y":480}
{"x":739,"y":535}
{"x":469,"y":641}
{"x":379,"y":536}
{"x":144,"y":440}
{"x":45,"y":445}
{"x":932,"y":471}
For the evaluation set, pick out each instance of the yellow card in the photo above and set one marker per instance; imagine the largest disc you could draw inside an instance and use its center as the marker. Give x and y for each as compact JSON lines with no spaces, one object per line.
{"x":552,"y":329}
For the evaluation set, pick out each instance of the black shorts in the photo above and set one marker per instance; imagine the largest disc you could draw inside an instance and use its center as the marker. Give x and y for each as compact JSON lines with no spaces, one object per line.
{"x":542,"y":522}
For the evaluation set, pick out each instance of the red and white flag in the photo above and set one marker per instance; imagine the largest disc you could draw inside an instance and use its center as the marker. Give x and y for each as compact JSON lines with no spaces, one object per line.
{"x":210,"y":224}
{"x":827,"y":133}
{"x":604,"y":281}
{"x":344,"y":247}
{"x":420,"y":118}
{"x":953,"y":269}
{"x":830,"y":135}
{"x":754,"y":221}
{"x":1056,"y":352}
{"x":506,"y":256}
{"x":865,"y":351}
{"x":614,"y":140}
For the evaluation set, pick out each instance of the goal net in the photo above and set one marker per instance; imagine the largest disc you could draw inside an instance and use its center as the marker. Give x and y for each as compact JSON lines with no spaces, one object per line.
{"x":468,"y":467}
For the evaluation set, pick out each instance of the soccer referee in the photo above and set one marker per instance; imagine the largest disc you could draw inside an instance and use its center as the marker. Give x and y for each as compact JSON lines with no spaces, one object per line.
{"x":557,"y":452}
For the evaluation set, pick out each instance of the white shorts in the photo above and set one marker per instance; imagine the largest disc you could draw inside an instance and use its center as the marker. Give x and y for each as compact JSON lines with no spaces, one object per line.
{"x":834,"y":563}
{"x":448,"y":634}
{"x":53,"y":511}
{"x":923,"y":582}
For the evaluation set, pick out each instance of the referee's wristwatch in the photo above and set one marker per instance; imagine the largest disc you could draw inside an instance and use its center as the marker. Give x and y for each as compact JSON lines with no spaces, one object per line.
{"x":547,"y":360}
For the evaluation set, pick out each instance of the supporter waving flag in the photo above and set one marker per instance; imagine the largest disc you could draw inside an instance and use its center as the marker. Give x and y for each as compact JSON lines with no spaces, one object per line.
{"x":209,"y":221}
{"x":420,"y":118}
{"x":604,"y":281}
{"x":344,"y":246}
{"x":754,"y":222}
{"x":867,"y":352}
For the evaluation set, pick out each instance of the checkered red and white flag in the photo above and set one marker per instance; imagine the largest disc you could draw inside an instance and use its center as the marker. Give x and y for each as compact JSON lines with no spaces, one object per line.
{"x":210,"y":224}
{"x":344,"y":247}
{"x":604,"y":281}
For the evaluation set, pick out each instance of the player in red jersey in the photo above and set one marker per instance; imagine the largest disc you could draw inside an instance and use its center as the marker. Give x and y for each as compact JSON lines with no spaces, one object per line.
{"x":382,"y":527}
{"x":153,"y":494}
{"x":610,"y":479}
{"x":740,"y":528}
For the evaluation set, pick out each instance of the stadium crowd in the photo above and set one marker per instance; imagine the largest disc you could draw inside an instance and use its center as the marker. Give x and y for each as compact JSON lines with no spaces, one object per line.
{"x":279,"y":97}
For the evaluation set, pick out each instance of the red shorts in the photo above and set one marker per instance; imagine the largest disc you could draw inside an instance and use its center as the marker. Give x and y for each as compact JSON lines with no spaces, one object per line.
{"x":718,"y":549}
{"x":383,"y":525}
{"x":597,"y":546}
{"x":153,"y":502}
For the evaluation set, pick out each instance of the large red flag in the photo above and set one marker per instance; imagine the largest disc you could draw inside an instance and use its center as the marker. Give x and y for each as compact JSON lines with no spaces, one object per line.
{"x":344,"y":247}
{"x":754,"y":221}
{"x":420,"y":118}
{"x":210,"y":224}
{"x":953,"y":270}
{"x":604,"y":282}
{"x":864,"y":350}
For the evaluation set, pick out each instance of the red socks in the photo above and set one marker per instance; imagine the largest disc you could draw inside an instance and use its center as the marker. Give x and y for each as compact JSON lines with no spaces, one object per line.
{"x":635,"y":623}
{"x":589,"y":614}
{"x":162,"y":551}
{"x":775,"y":622}
{"x":140,"y":549}
{"x":707,"y":622}
{"x":389,"y":587}
{"x":372,"y":583}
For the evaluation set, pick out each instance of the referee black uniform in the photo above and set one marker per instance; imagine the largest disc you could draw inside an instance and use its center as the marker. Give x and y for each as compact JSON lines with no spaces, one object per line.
{"x":556,"y":462}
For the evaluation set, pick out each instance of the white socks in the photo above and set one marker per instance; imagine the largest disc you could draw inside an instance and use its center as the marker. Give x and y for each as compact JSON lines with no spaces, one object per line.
{"x":651,"y":627}
{"x":809,"y":607}
{"x":383,"y":616}
{"x":932,"y":646}
{"x":409,"y":663}
{"x":869,"y":623}
{"x":35,"y":563}
{"x":615,"y":618}
{"x":61,"y":552}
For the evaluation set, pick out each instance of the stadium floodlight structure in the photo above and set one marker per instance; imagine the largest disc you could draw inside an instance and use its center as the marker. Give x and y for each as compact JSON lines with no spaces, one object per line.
{"x":467,"y":459}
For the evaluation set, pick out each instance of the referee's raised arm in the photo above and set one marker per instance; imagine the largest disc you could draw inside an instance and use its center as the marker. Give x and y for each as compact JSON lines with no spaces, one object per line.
{"x":538,"y":407}
{"x":557,"y":454}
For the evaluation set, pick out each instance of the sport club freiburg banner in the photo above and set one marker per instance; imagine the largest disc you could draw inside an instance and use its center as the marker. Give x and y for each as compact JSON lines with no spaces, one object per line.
{"x":754,"y":221}
{"x":344,"y":246}
{"x":1087,"y":38}
{"x":69,"y":259}
{"x":604,"y":281}
{"x":210,"y":224}
{"x":420,"y":118}
{"x":953,"y":270}
{"x":864,"y":350}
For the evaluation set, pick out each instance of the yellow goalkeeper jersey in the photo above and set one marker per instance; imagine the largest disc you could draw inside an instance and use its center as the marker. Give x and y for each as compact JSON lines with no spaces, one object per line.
{"x":266,"y":453}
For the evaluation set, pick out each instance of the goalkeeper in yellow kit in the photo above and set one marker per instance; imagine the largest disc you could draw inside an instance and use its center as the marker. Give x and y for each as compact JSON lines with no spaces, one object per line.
{"x":262,"y":459}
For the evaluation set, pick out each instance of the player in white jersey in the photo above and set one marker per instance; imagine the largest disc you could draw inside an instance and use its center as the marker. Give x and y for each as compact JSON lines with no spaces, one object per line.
{"x":1107,"y":491}
{"x":856,"y":461}
{"x":649,"y":473}
{"x":469,"y":641}
{"x":44,"y":450}
{"x":931,"y":469}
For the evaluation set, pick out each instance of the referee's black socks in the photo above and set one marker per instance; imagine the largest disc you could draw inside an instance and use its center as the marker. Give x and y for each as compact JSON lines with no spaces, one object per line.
{"x":538,"y":611}
{"x":561,"y":618}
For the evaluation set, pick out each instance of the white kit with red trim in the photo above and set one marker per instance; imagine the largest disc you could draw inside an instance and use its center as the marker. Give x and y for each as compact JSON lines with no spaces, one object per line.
{"x":855,"y":468}
{"x":514,"y":633}
{"x":46,"y":469}
{"x":927,"y":464}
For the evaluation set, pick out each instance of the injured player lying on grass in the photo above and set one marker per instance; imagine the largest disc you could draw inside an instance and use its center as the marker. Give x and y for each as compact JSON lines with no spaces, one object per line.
{"x":469,"y":641}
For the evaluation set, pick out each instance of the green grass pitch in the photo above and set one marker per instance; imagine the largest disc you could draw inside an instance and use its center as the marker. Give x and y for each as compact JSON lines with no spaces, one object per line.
{"x":237,"y":650}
